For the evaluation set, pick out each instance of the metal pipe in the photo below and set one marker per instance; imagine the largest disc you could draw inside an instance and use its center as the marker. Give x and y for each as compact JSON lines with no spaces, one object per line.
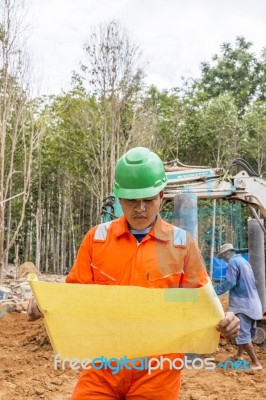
{"x":213,"y":237}
{"x":186,"y":212}
{"x":257,"y":257}
{"x":186,"y":217}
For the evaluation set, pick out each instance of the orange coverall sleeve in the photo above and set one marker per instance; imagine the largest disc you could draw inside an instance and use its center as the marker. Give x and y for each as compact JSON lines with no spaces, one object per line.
{"x":195,"y":274}
{"x":81,"y":270}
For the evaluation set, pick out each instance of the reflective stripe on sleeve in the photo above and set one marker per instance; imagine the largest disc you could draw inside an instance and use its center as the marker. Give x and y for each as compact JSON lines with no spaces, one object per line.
{"x":180,"y":237}
{"x":101,"y":231}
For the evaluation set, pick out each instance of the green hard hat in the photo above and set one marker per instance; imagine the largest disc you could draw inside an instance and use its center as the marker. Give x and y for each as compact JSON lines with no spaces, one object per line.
{"x":139,"y":174}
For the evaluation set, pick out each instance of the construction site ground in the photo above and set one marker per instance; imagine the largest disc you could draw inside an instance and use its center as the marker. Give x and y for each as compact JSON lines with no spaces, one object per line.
{"x":27,"y":371}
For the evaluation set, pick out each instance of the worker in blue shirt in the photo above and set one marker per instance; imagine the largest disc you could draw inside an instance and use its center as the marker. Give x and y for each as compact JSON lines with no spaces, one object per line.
{"x":244,"y":300}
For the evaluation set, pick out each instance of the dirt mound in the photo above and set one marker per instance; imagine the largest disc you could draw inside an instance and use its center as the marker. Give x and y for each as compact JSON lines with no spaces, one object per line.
{"x":26,"y":361}
{"x":27,"y":371}
{"x":26,"y":268}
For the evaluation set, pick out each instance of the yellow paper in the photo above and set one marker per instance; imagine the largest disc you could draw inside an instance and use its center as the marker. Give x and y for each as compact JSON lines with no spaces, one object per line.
{"x":89,"y":321}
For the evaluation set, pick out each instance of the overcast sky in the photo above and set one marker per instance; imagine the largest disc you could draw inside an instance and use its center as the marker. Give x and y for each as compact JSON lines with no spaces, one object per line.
{"x":175,"y":35}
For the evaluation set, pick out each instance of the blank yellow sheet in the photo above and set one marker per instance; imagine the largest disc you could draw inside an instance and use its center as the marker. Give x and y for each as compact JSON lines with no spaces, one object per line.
{"x":89,"y":321}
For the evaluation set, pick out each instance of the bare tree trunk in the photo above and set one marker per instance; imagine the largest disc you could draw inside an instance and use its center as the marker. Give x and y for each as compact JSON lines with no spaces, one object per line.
{"x":8,"y":228}
{"x":30,"y":255}
{"x":47,"y":237}
{"x":18,"y":133}
{"x":91,"y":208}
{"x":38,"y":238}
{"x":16,"y":261}
{"x":58,"y":236}
{"x":63,"y":236}
{"x":72,"y":239}
{"x":52,"y":250}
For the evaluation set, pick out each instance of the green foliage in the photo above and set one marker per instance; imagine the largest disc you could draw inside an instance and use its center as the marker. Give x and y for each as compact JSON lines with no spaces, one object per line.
{"x":236,"y":71}
{"x":212,"y":133}
{"x":167,"y":110}
{"x":255,"y":145}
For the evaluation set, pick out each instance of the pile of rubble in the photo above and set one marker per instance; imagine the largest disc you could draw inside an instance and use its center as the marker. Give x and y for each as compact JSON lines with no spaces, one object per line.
{"x":15,"y":290}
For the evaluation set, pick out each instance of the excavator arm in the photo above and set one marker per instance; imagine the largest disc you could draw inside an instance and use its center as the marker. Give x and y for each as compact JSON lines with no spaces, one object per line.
{"x":245,"y":186}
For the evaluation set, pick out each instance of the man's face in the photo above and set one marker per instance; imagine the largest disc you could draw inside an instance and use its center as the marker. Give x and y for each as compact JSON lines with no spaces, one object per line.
{"x":141,"y":213}
{"x":226,"y":256}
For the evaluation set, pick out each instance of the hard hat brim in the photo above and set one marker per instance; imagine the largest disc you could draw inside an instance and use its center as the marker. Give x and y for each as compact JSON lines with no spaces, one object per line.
{"x":138,"y":193}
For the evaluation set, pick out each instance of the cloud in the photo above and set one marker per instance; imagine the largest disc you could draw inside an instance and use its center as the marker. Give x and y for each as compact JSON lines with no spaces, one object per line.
{"x":175,"y":35}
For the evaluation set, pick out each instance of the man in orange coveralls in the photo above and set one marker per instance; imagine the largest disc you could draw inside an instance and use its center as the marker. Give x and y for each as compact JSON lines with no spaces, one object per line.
{"x":139,"y":249}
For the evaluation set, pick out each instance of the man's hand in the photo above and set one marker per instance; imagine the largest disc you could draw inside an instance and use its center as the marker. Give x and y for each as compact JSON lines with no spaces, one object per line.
{"x":229,"y":326}
{"x":33,"y":310}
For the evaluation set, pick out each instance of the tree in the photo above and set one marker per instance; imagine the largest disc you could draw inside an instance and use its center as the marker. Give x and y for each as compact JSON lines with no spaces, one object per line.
{"x":113,"y":72}
{"x":255,"y":145}
{"x":237,"y":71}
{"x":212,"y":133}
{"x":220,"y":130}
{"x":167,"y":113}
{"x":63,"y":193}
{"x":19,"y":133}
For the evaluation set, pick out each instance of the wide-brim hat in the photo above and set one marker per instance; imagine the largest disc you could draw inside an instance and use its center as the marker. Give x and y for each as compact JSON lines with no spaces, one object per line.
{"x":225,"y":247}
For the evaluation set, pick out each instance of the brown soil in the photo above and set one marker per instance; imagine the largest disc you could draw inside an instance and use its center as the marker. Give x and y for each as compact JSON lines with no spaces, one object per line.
{"x":26,"y":362}
{"x":26,"y":369}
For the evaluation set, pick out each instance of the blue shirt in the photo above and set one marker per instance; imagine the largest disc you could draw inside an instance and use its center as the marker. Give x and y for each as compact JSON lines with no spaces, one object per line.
{"x":139,"y":235}
{"x":243,"y":294}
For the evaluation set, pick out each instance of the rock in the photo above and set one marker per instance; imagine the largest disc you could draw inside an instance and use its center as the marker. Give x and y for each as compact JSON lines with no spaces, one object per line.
{"x":26,"y":292}
{"x":8,"y":306}
{"x":35,"y":348}
{"x":19,"y":307}
{"x":57,"y":381}
{"x":39,"y":391}
{"x":50,"y":387}
{"x":9,"y":271}
{"x":194,"y":396}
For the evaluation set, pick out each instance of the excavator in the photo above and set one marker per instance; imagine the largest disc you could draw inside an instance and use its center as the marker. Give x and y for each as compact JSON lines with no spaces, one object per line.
{"x":207,"y":183}
{"x":237,"y":182}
